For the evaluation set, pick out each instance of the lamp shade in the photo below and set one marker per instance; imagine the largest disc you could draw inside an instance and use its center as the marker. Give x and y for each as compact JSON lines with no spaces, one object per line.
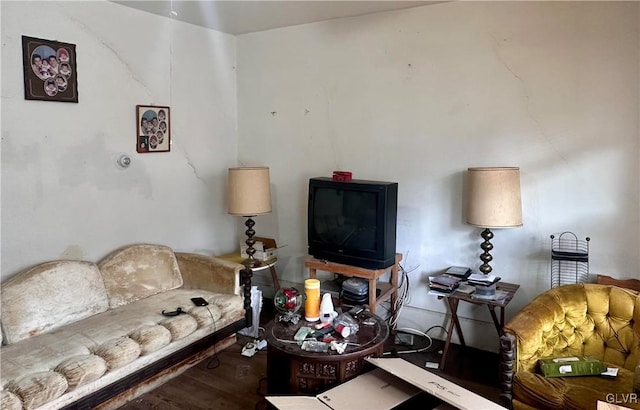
{"x":249,"y":191}
{"x":494,"y":197}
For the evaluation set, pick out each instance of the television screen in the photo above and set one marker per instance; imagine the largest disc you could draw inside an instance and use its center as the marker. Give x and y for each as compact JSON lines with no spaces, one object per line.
{"x":353,"y":222}
{"x":345,"y":218}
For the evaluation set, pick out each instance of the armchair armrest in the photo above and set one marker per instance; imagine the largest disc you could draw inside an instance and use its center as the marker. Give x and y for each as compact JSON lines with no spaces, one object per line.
{"x":507,"y":367}
{"x":210,"y":273}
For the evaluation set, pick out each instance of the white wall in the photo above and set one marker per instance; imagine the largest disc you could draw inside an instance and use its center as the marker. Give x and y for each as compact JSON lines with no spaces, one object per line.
{"x":62,"y":195}
{"x":415,"y":96}
{"x":418,"y":96}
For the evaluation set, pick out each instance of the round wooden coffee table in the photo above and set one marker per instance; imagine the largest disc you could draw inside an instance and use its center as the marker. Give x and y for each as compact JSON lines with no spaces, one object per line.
{"x":291,"y":370}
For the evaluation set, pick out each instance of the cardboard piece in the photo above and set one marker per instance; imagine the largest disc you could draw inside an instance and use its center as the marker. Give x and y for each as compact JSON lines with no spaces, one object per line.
{"x":265,"y":249}
{"x":375,"y":390}
{"x":393,"y":382}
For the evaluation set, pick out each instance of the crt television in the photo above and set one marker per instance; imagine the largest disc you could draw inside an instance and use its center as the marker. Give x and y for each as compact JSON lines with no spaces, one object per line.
{"x":353,"y":222}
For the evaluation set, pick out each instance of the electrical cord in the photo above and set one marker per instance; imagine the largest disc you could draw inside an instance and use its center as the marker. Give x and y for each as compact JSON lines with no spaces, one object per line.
{"x":418,"y":333}
{"x":259,"y":389}
{"x":446,"y":332}
{"x":215,"y":352}
{"x":393,"y":310}
{"x":404,"y":295}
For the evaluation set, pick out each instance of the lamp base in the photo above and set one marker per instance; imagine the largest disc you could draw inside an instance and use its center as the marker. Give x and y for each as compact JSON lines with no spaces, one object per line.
{"x":486,"y":246}
{"x":250,"y":262}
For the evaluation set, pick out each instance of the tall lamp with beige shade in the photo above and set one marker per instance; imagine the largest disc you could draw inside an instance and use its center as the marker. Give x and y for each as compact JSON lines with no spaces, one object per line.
{"x":493,"y":202}
{"x":249,"y":195}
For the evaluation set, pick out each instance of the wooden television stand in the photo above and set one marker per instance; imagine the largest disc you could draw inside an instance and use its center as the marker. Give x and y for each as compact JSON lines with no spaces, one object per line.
{"x":386,"y":289}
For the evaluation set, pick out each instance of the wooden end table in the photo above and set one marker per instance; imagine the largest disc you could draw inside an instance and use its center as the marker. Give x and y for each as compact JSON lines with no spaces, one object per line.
{"x":387,"y":290}
{"x":291,"y":370}
{"x":453,"y":299}
{"x":268,"y":264}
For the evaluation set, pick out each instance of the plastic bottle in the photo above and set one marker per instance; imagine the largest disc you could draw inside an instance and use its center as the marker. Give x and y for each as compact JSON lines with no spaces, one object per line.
{"x":346,"y":325}
{"x":312,"y":302}
{"x":327,"y":313}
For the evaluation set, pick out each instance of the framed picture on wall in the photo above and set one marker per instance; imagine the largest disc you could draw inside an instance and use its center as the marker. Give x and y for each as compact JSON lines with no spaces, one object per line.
{"x":153,"y":129}
{"x":50,"y":70}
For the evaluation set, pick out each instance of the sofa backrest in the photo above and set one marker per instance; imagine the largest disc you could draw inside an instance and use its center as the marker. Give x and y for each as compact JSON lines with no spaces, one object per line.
{"x":595,"y":320}
{"x":139,"y":271}
{"x":50,"y":295}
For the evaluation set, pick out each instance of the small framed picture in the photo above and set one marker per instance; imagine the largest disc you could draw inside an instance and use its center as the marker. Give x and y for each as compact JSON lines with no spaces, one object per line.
{"x":50,"y":70}
{"x":153,"y":129}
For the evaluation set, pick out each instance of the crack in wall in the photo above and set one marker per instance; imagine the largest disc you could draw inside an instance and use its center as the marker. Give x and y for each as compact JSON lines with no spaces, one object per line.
{"x":193,"y":167}
{"x":113,"y":51}
{"x":525,"y":90}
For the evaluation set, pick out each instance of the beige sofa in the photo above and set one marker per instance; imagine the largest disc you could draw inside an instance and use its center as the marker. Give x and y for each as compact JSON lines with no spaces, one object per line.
{"x":92,"y":335}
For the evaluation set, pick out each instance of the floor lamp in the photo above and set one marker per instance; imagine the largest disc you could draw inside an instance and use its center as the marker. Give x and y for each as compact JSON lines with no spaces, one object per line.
{"x":493,"y":202}
{"x":249,"y":194}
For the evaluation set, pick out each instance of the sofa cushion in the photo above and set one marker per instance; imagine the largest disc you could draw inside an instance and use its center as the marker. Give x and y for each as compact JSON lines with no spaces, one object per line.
{"x":581,"y":392}
{"x":180,"y":326}
{"x":139,"y":271}
{"x":151,"y":338}
{"x":38,"y":388}
{"x":49,"y":296}
{"x":9,"y":401}
{"x":206,"y":315}
{"x":79,"y":370}
{"x":118,"y":352}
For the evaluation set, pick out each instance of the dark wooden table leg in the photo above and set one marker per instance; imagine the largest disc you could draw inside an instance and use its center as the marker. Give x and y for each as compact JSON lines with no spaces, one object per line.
{"x":456,"y":320}
{"x":274,"y":276}
{"x":453,"y":305}
{"x":500,"y":324}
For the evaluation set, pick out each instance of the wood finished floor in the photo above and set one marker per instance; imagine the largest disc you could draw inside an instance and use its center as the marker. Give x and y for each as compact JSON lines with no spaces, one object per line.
{"x":231,"y":381}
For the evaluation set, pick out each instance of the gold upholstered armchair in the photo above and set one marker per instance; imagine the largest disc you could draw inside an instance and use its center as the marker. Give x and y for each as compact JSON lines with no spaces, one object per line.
{"x":601,"y":321}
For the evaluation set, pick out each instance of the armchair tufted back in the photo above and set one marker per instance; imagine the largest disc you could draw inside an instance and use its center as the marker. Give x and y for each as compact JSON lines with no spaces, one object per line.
{"x":579,"y":320}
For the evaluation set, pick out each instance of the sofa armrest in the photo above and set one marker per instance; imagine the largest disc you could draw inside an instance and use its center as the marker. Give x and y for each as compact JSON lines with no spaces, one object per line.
{"x":210,"y":273}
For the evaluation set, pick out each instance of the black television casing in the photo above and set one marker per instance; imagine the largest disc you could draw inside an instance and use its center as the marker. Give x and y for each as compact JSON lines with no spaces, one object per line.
{"x":353,"y":222}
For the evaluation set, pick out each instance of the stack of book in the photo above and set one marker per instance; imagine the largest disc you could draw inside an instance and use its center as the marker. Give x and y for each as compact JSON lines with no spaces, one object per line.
{"x":485,"y":286}
{"x":444,"y":283}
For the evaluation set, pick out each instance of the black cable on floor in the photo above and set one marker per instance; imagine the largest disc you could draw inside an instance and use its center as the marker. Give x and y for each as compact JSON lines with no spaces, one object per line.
{"x":214,"y":357}
{"x":215,"y":352}
{"x":258,"y":390}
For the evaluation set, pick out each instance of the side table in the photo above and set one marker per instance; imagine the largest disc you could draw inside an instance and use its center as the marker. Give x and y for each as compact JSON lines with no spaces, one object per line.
{"x":270,"y":264}
{"x":386,"y":289}
{"x":454,"y":299}
{"x":291,"y":370}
